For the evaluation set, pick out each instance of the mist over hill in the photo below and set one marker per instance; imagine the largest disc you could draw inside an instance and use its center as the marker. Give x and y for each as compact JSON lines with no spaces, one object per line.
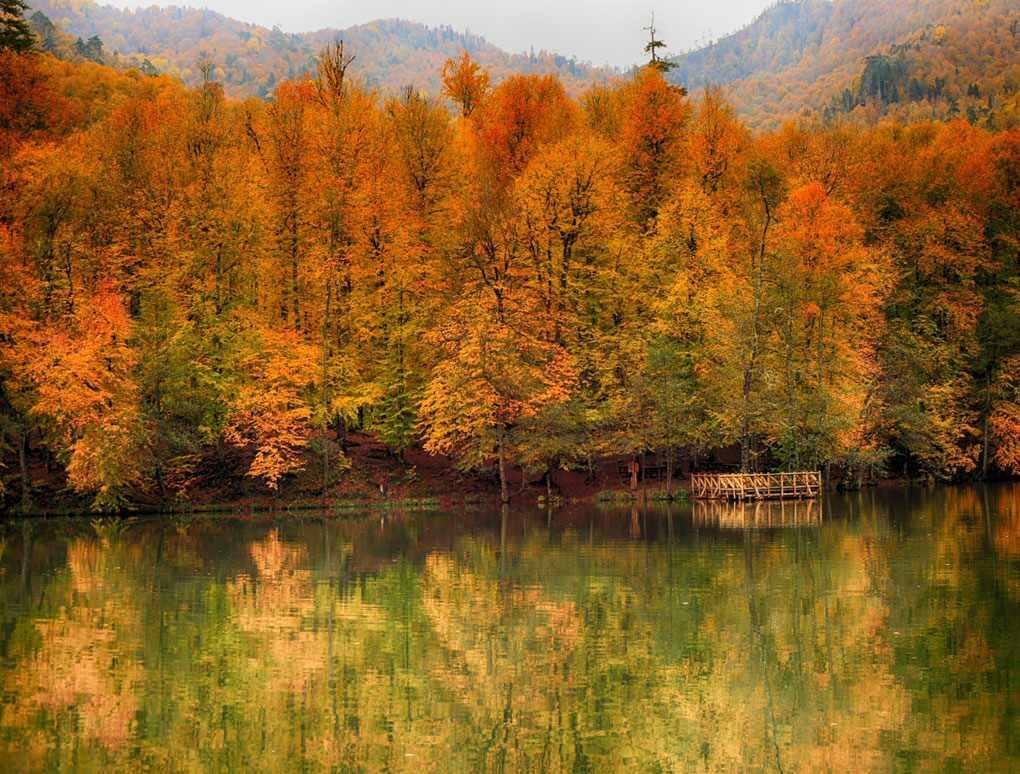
{"x":250,"y":59}
{"x":820,"y":59}
{"x":912,"y":60}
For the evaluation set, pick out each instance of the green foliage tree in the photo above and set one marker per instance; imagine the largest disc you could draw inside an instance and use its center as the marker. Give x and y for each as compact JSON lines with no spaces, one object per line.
{"x":15,"y":31}
{"x":652,"y":47}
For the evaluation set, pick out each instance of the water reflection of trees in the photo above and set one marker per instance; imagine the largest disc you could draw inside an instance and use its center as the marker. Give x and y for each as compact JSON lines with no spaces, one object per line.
{"x":871,"y":639}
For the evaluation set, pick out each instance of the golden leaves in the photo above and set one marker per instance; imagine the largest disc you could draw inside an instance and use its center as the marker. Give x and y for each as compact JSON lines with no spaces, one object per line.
{"x":465,"y":82}
{"x":557,"y":277}
{"x":269,"y":416}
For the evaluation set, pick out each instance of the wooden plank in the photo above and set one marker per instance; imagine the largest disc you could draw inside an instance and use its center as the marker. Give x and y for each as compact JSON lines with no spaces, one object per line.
{"x":756,"y":486}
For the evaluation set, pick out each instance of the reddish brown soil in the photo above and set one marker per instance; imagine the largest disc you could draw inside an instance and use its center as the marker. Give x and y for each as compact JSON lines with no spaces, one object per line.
{"x":374,"y":474}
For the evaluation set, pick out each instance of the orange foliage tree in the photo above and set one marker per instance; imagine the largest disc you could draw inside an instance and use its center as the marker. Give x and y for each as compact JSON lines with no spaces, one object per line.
{"x":199,"y":284}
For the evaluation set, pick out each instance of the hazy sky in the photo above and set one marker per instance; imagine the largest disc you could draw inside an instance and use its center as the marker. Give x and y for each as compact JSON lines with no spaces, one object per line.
{"x":599,"y":31}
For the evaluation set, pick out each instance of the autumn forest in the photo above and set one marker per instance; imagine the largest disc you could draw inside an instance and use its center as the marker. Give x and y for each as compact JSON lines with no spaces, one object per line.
{"x":197,"y":286}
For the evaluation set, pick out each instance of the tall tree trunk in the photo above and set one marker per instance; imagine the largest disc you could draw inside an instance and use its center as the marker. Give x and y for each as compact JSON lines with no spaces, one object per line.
{"x":745,"y":445}
{"x":160,"y":483}
{"x":26,"y":484}
{"x":158,"y":469}
{"x":669,"y":473}
{"x":325,"y":389}
{"x":295,"y":296}
{"x":340,"y":428}
{"x":752,"y":358}
{"x":984,"y":425}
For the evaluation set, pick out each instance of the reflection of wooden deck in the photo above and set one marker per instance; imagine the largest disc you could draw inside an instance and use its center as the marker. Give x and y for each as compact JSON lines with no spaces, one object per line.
{"x":755,"y":486}
{"x":757,"y":513}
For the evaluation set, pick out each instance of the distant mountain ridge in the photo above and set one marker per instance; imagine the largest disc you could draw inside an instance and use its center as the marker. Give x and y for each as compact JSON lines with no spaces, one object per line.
{"x":816,"y":59}
{"x":910,"y":59}
{"x":250,"y":59}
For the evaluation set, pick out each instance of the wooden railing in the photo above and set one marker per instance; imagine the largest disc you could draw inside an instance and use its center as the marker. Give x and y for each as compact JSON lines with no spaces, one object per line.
{"x":755,"y":486}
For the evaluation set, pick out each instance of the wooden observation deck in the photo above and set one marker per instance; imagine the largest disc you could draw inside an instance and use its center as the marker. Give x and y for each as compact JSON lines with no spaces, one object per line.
{"x":755,"y":486}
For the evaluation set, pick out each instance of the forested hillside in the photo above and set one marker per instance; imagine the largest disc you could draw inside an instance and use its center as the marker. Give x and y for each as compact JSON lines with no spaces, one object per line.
{"x":823,"y":59}
{"x":250,"y":60}
{"x":199,"y":289}
{"x":915,"y":60}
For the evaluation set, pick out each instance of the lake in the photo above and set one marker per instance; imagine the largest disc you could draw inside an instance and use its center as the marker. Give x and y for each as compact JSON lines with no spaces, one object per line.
{"x":871,"y":631}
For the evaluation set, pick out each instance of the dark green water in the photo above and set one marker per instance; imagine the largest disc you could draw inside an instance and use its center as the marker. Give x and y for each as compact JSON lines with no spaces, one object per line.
{"x":881,"y":632}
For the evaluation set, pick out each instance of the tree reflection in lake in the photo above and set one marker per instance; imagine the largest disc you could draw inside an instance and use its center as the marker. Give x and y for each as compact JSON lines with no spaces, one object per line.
{"x":873,"y":631}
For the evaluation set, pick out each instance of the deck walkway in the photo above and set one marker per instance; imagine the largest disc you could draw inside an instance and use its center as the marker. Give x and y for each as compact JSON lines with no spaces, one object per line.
{"x":755,"y":486}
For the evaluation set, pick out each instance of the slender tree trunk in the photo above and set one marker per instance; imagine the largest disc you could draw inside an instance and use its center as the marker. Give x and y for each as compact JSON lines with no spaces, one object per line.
{"x":669,"y":473}
{"x":69,"y":274}
{"x":295,"y":298}
{"x":325,"y":390}
{"x":160,"y":483}
{"x":340,"y":428}
{"x":984,"y":425}
{"x":745,"y":444}
{"x":158,"y":471}
{"x":564,"y":281}
{"x":752,"y":359}
{"x":26,"y":484}
{"x":548,"y":486}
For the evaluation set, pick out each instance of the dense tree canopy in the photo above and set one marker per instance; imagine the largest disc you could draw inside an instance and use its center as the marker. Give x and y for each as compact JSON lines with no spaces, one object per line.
{"x":194,"y":283}
{"x":868,"y":59}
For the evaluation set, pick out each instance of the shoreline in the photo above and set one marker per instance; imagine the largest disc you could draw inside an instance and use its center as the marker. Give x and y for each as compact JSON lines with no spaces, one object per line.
{"x":349,"y":505}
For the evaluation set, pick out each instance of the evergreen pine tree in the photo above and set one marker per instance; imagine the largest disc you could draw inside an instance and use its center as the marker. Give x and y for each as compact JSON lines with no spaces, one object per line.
{"x":15,"y":32}
{"x":652,"y":48}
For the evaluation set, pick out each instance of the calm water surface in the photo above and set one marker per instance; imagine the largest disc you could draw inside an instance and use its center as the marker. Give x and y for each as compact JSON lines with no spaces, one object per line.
{"x":879,"y":632}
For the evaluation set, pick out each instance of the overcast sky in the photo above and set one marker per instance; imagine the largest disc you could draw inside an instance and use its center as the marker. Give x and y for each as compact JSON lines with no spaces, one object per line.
{"x":599,"y":31}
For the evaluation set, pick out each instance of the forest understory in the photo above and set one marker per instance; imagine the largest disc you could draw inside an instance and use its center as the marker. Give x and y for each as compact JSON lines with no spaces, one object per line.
{"x":413,"y":480}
